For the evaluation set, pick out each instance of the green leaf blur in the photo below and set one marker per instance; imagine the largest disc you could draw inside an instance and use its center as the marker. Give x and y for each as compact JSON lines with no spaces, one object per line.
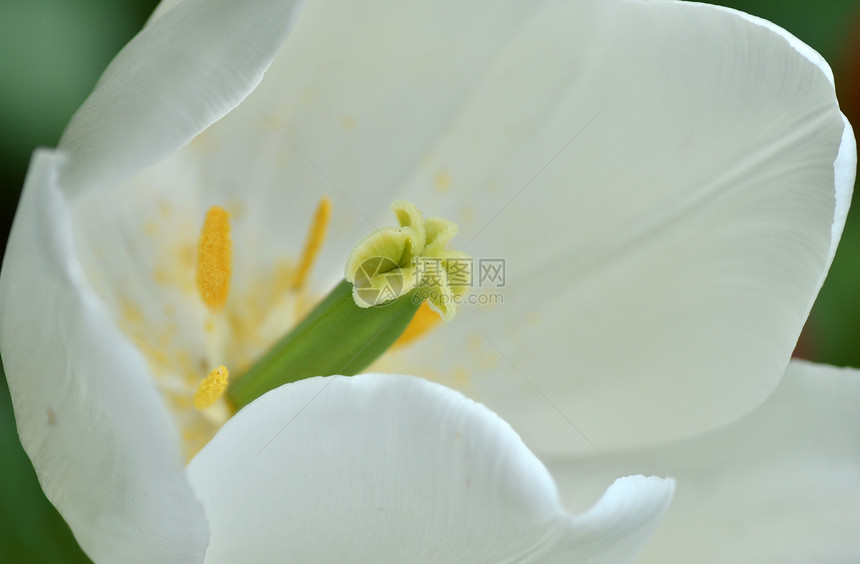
{"x":31,"y":530}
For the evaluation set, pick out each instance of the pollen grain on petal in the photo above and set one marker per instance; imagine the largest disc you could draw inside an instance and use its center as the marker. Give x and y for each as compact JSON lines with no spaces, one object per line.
{"x":425,"y":319}
{"x":211,"y":388}
{"x":313,"y":244}
{"x":442,"y":181}
{"x":214,"y":259}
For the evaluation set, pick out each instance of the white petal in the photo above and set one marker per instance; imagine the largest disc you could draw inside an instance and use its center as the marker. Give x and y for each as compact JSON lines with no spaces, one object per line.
{"x":88,"y":415}
{"x":349,"y":109}
{"x":666,"y":223}
{"x":780,"y":485}
{"x":384,"y":468}
{"x":175,"y":78}
{"x":245,"y":163}
{"x":666,"y":184}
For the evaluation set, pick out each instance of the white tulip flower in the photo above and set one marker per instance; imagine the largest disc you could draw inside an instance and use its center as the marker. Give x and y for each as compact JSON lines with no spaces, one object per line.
{"x":663,"y":183}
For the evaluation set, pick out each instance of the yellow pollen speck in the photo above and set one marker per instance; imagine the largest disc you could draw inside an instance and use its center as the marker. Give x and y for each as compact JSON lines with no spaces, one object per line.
{"x":130,"y":312}
{"x":475,"y":342}
{"x":460,"y":377}
{"x":160,"y":276}
{"x":211,"y":388}
{"x":423,"y":321}
{"x":309,"y":95}
{"x":185,"y":255}
{"x":442,"y":181}
{"x":214,"y":259}
{"x":316,"y":236}
{"x":467,"y":214}
{"x":347,"y":122}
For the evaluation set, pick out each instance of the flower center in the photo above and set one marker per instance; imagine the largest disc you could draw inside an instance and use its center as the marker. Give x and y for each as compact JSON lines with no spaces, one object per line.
{"x":206,"y":337}
{"x":390,"y":276}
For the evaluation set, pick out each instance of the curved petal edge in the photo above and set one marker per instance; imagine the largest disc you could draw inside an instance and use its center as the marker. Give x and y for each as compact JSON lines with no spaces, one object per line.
{"x":88,"y":415}
{"x":387,"y":469}
{"x":176,"y":77}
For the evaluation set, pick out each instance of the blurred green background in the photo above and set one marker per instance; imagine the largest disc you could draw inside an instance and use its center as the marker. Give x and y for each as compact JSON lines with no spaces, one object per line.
{"x":52,"y":54}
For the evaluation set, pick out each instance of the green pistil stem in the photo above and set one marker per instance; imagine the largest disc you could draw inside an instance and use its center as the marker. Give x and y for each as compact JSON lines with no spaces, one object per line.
{"x":337,"y":337}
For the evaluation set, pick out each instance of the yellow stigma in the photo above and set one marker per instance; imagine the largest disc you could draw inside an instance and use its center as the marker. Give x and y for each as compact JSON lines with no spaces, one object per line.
{"x":425,"y":319}
{"x":211,"y":388}
{"x":316,"y":237}
{"x":213,"y":259}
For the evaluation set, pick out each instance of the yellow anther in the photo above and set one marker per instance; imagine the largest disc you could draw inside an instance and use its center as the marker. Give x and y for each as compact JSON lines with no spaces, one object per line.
{"x":425,"y":319}
{"x":316,"y":236}
{"x":214,"y":259}
{"x":211,"y":388}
